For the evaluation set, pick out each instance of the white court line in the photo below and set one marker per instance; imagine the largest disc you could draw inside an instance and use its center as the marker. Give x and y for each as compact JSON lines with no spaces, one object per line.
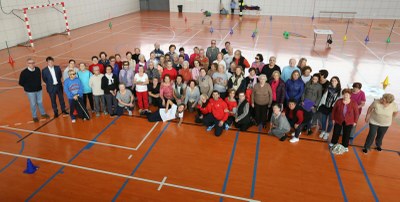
{"x":128,"y":177}
{"x":67,"y":137}
{"x":190,"y":38}
{"x":130,"y":156}
{"x":83,"y":140}
{"x":162,"y":183}
{"x":11,"y":87}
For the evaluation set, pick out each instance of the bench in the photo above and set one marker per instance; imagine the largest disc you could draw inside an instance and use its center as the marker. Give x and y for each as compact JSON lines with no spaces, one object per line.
{"x":338,"y":14}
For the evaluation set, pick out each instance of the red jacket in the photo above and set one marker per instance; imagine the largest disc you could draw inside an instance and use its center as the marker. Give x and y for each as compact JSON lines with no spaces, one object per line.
{"x":217,"y":108}
{"x":191,"y":60}
{"x":172,"y":73}
{"x":351,"y":115}
{"x":231,"y":105}
{"x":101,"y":68}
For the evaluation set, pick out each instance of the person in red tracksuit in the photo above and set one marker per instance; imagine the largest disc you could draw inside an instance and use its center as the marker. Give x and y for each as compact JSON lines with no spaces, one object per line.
{"x":217,"y":114}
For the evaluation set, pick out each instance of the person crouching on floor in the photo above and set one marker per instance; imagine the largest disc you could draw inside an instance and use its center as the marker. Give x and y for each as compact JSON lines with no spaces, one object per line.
{"x":297,"y":117}
{"x":279,"y":124}
{"x":125,"y":100}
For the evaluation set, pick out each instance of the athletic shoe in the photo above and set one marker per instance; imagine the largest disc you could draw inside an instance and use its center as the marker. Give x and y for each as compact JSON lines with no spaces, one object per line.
{"x":293,"y":134}
{"x":331,"y":144}
{"x":45,"y":116}
{"x":97,"y":114}
{"x":322,"y":134}
{"x":73,"y":121}
{"x":209,"y":128}
{"x":35,"y":120}
{"x":326,"y":135}
{"x":65,"y":112}
{"x":365,"y":151}
{"x":226,"y":126}
{"x":379,"y":148}
{"x":283,"y":138}
{"x":294,"y":139}
{"x":105,"y":113}
{"x":129,"y":112}
{"x":346,"y":149}
{"x":309,"y":132}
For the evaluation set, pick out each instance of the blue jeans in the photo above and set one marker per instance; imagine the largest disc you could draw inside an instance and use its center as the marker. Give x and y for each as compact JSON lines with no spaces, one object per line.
{"x":324,"y":119}
{"x":35,"y":98}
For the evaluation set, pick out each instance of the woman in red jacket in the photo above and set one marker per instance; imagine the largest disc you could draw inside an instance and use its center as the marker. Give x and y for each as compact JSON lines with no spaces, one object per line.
{"x":344,"y":115}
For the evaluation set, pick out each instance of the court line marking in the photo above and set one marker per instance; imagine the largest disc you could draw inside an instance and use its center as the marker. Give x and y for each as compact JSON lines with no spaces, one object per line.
{"x":125,"y":176}
{"x":228,"y":171}
{"x":253,"y":183}
{"x":338,"y":175}
{"x":140,"y":162}
{"x":365,"y":175}
{"x":83,"y":140}
{"x":162,"y":183}
{"x":130,"y":156}
{"x":190,"y":38}
{"x":20,"y":151}
{"x":69,"y":161}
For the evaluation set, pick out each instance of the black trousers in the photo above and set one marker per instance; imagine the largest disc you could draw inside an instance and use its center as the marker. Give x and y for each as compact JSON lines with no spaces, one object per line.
{"x":346,"y":133}
{"x":53,"y":95}
{"x":232,"y":10}
{"x":120,"y":110}
{"x":210,"y":120}
{"x":154,"y":117}
{"x":86,"y":97}
{"x":297,"y":130}
{"x":243,"y":125}
{"x":375,"y":131}
{"x":261,"y":114}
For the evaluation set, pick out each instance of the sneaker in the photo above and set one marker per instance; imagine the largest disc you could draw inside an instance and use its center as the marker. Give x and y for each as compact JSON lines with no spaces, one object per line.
{"x":45,"y":116}
{"x":293,"y":134}
{"x":56,"y":115}
{"x":105,"y":113}
{"x":365,"y":151}
{"x":97,"y":114}
{"x":294,"y":139}
{"x":129,"y":112}
{"x":326,"y":135}
{"x":346,"y":149}
{"x":322,"y":134}
{"x":331,"y":144}
{"x":226,"y":126}
{"x":35,"y":120}
{"x":209,"y":128}
{"x":65,"y":112}
{"x":379,"y":148}
{"x":73,"y":121}
{"x":283,"y":138}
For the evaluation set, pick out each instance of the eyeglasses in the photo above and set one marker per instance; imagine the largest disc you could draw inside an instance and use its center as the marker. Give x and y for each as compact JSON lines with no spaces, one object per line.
{"x":257,"y":58}
{"x":213,"y":43}
{"x":72,"y":74}
{"x":31,"y":63}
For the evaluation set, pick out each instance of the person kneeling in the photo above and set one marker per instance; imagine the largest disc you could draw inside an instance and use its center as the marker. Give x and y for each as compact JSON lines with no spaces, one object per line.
{"x":170,"y":112}
{"x":297,"y":117}
{"x":125,"y":100}
{"x":216,"y":114}
{"x":279,"y":124}
{"x":242,"y":117}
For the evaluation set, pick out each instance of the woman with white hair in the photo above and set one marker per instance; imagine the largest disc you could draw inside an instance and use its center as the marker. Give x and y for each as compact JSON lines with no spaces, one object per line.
{"x":185,"y":72}
{"x":261,"y":100}
{"x":141,"y":62}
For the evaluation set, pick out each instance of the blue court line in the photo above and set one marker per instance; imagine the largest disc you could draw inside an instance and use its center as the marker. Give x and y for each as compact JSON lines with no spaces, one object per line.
{"x":60,"y":171}
{"x":229,"y":166}
{"x":20,"y":151}
{"x":359,"y":132}
{"x":365,"y":175}
{"x":253,"y":183}
{"x":140,"y":162}
{"x":338,"y":176}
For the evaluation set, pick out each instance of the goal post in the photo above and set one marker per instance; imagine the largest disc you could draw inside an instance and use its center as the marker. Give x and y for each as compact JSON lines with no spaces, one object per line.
{"x":26,"y":19}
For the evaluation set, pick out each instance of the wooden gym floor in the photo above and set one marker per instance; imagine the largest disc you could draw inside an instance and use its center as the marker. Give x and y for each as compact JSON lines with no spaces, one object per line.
{"x":130,"y":159}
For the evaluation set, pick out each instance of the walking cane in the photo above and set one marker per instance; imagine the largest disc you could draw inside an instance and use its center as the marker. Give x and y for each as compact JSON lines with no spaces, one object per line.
{"x":87,"y":116}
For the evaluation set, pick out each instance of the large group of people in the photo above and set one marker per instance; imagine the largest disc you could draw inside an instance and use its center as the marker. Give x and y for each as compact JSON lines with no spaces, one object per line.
{"x":213,"y":85}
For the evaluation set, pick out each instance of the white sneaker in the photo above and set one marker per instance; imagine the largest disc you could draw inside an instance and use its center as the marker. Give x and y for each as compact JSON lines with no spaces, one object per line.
{"x":294,"y":139}
{"x":293,"y":134}
{"x":73,"y":121}
{"x":326,"y":136}
{"x":322,"y":134}
{"x":331,"y":144}
{"x":129,"y":112}
{"x":346,"y":149}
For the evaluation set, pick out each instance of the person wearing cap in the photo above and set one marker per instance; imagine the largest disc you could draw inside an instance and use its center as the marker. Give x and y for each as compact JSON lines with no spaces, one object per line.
{"x":74,"y":90}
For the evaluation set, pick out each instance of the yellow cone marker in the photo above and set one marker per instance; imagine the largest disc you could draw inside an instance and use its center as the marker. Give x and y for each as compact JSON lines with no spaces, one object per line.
{"x":345,"y":38}
{"x":385,"y":83}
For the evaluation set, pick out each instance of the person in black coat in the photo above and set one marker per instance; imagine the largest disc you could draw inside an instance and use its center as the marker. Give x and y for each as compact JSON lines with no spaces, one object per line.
{"x":109,"y":83}
{"x":242,"y":117}
{"x":31,"y":80}
{"x":52,"y":77}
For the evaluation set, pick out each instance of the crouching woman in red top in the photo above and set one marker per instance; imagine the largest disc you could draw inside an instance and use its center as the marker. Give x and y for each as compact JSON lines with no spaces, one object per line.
{"x":344,"y":115}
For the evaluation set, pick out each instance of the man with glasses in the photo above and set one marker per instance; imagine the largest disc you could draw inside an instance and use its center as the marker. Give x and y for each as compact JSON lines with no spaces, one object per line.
{"x":31,"y":80}
{"x":212,"y":51}
{"x":52,"y":77}
{"x":74,"y":90}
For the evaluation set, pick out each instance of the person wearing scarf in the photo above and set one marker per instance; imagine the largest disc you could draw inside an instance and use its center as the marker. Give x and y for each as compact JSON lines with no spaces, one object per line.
{"x":109,"y":84}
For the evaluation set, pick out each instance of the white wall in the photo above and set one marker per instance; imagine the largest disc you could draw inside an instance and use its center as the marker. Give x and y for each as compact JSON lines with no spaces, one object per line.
{"x":385,"y":9}
{"x":48,"y":21}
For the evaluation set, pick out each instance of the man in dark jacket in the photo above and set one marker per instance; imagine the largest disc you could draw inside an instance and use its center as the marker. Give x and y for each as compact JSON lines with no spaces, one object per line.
{"x":31,"y":80}
{"x":242,"y":117}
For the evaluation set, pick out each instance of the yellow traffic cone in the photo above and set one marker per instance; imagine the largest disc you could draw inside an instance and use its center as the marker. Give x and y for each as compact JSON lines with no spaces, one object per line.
{"x":385,"y":83}
{"x":345,"y":38}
